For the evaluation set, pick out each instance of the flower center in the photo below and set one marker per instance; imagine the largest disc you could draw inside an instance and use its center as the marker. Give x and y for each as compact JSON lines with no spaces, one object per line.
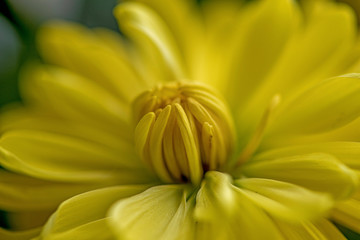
{"x":183,"y":130}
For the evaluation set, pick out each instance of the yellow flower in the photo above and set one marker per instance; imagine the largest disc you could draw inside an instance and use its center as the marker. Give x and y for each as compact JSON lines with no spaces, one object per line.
{"x":216,"y":121}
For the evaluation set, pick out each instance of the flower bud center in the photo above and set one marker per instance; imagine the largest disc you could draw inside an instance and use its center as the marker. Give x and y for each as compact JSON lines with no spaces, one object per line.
{"x":183,"y":130}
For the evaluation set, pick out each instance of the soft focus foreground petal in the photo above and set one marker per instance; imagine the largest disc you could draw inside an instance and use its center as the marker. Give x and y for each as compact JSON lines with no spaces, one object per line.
{"x":21,"y":193}
{"x":80,"y":50}
{"x":324,"y":107}
{"x":57,"y":157}
{"x":347,"y":213}
{"x":161,"y":212}
{"x":285,"y":200}
{"x":18,"y":235}
{"x":321,"y":229}
{"x":223,"y":211}
{"x":182,"y":19}
{"x":86,"y":213}
{"x":347,"y":152}
{"x":98,"y":229}
{"x":216,"y":197}
{"x":316,"y":171}
{"x":70,"y":96}
{"x":314,"y":52}
{"x":158,"y":50}
{"x":254,"y":39}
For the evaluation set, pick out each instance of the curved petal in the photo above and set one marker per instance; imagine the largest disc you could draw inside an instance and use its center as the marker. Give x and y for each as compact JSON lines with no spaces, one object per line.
{"x":86,"y":212}
{"x":58,"y":157}
{"x":224,"y":212}
{"x":160,"y":54}
{"x":327,"y":106}
{"x":306,"y":58}
{"x":321,"y":229}
{"x":20,"y":193}
{"x":347,"y":152}
{"x":285,"y":200}
{"x":82,"y":51}
{"x":18,"y":235}
{"x":72,"y":97}
{"x":317,"y":171}
{"x":161,"y":212}
{"x":183,"y":20}
{"x":347,"y":213}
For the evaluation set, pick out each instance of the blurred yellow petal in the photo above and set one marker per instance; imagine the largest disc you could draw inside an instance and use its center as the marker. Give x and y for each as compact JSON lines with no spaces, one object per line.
{"x":73,"y":97}
{"x":320,"y":43}
{"x":80,"y":50}
{"x":285,"y":200}
{"x":319,"y":230}
{"x":347,"y":213}
{"x":160,"y":53}
{"x":317,"y":171}
{"x":21,"y":193}
{"x":86,"y":213}
{"x":18,"y":235}
{"x":223,"y":211}
{"x":337,"y":103}
{"x":347,"y":152}
{"x":161,"y":212}
{"x":183,"y":20}
{"x":57,"y":157}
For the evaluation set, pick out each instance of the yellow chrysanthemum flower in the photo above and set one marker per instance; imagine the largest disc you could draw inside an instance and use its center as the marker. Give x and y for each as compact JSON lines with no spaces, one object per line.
{"x":211,"y":121}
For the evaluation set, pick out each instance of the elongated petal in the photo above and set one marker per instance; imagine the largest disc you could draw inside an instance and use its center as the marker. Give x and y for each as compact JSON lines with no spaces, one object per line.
{"x":347,"y":213}
{"x":57,"y":157}
{"x":317,"y":171}
{"x":183,"y":20}
{"x":285,"y":200}
{"x":21,"y":193}
{"x":305,"y":59}
{"x":337,"y":103}
{"x":222,"y":211}
{"x":252,"y":48}
{"x":72,"y":97}
{"x":86,"y":211}
{"x":319,"y":230}
{"x":162,"y":61}
{"x":18,"y":235}
{"x":346,"y":152}
{"x":82,"y":51}
{"x":159,"y":213}
{"x":215,"y":197}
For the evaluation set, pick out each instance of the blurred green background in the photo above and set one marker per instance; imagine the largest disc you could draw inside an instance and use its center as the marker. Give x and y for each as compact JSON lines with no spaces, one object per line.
{"x":19,"y":20}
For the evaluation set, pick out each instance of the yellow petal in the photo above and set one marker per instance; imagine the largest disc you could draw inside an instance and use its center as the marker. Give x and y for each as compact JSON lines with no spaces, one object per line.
{"x":161,"y":212}
{"x":21,"y":193}
{"x":161,"y":56}
{"x":319,"y":230}
{"x":285,"y":200}
{"x":317,"y":171}
{"x":70,"y":96}
{"x":314,"y":52}
{"x":215,"y":197}
{"x":254,"y":40}
{"x":58,"y":157}
{"x":183,"y":20}
{"x":18,"y":235}
{"x":86,"y":211}
{"x":347,"y":152}
{"x":327,"y":106}
{"x":223,"y":211}
{"x":82,"y":51}
{"x":347,"y":213}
